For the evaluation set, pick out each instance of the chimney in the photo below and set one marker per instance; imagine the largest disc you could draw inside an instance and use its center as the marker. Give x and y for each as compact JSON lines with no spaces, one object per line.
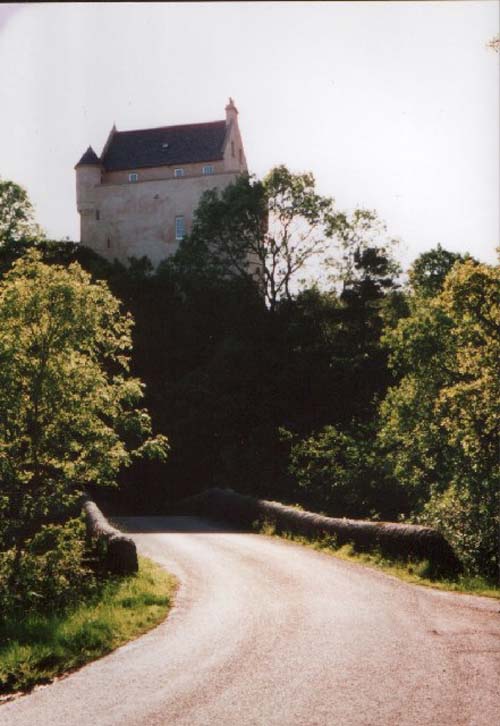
{"x":231,"y":112}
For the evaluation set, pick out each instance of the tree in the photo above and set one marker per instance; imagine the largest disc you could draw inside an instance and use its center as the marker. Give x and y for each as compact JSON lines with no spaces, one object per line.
{"x":494,"y":44}
{"x":365,"y":273}
{"x":340,"y":472}
{"x":17,"y":223}
{"x":265,"y":231}
{"x":319,"y":356}
{"x":364,"y":250}
{"x":428,"y":272}
{"x":68,"y":408}
{"x":298,"y":229}
{"x":441,"y":423}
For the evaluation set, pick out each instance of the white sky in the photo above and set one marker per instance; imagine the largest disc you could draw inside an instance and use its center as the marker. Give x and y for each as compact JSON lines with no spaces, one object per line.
{"x":393,"y":106}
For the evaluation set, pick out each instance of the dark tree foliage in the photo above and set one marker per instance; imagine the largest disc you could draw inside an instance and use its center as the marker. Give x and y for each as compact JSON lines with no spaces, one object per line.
{"x":428,"y":272}
{"x":275,"y":390}
{"x":265,"y":231}
{"x":223,"y":374}
{"x":227,"y":368}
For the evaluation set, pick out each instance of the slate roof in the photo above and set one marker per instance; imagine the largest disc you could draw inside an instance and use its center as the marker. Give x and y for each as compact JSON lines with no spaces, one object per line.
{"x":187,"y":144}
{"x":89,"y":158}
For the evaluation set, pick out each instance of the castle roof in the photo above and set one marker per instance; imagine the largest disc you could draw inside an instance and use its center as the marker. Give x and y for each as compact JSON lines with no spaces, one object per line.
{"x":89,"y":158}
{"x":165,"y":146}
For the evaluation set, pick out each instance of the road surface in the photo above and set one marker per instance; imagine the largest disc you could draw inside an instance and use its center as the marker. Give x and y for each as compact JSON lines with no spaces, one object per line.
{"x":269,"y":633}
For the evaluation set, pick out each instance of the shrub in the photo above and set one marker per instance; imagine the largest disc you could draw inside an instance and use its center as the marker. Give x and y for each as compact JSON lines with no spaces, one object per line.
{"x":339,"y":472}
{"x":468,"y":520}
{"x":49,"y":570}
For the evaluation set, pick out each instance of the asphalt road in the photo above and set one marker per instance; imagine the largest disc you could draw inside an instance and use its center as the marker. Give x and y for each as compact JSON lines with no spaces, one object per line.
{"x":268,"y":633}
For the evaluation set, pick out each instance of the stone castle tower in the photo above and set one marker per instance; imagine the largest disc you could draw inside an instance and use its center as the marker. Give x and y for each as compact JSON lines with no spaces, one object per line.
{"x":139,"y":196}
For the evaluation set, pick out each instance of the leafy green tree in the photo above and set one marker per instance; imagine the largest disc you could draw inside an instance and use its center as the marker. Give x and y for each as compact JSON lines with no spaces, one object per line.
{"x":69,"y":413}
{"x":441,"y":423}
{"x":364,"y":253}
{"x":17,"y":223}
{"x":229,"y":227}
{"x":368,"y":275}
{"x":225,"y":371}
{"x":298,"y":229}
{"x":341,"y":473}
{"x":265,"y":231}
{"x":428,"y":272}
{"x":328,"y":467}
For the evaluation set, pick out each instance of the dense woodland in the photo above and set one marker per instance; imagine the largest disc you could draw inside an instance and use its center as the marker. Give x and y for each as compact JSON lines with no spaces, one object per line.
{"x":285,"y":354}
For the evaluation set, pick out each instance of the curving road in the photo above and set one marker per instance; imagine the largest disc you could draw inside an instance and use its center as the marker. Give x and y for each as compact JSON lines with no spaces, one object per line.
{"x":268,"y":633}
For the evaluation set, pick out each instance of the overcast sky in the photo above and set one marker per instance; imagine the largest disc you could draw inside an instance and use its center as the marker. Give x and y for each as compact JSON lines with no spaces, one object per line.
{"x":393,"y":106}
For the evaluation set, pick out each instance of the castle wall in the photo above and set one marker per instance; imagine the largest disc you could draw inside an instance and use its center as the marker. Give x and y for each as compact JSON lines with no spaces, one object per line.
{"x":138,"y":218}
{"x":162,"y":172}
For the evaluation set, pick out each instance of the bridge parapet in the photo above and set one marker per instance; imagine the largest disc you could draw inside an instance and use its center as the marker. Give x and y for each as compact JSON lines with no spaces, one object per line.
{"x":116,"y":552}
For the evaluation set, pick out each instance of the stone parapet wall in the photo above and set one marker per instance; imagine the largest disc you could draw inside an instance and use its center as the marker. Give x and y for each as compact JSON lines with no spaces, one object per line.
{"x":117,"y":553}
{"x":405,"y":541}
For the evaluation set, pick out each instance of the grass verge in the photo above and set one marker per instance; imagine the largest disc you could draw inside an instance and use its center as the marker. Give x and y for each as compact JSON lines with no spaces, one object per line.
{"x":39,"y":648}
{"x":416,"y":572}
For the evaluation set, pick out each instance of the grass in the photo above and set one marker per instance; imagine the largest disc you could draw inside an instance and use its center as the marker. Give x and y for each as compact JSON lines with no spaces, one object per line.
{"x":416,"y":572}
{"x":39,"y":648}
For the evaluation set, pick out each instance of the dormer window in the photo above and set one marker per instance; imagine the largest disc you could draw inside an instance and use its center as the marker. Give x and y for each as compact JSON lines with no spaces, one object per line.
{"x":178,"y":172}
{"x":208,"y":169}
{"x":133,"y":177}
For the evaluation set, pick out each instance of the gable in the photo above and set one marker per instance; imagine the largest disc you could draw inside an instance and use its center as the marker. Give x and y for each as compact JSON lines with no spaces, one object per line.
{"x":165,"y":146}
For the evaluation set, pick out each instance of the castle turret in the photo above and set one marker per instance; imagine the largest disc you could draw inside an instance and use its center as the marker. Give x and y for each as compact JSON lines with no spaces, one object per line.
{"x":88,"y":174}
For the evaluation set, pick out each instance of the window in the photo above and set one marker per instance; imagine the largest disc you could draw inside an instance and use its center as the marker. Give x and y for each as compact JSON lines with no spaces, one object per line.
{"x":108,"y":243}
{"x":133,"y":177}
{"x":97,"y":215}
{"x":180,"y":229}
{"x":240,"y":155}
{"x":208,"y":169}
{"x":178,"y":172}
{"x":232,"y":148}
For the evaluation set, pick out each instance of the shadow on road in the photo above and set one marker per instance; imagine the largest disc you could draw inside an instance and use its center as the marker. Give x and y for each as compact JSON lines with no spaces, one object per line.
{"x":178,"y":523}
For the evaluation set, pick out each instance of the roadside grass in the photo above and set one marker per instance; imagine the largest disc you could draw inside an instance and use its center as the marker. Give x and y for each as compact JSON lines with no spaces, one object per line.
{"x":39,"y":648}
{"x":416,"y":572}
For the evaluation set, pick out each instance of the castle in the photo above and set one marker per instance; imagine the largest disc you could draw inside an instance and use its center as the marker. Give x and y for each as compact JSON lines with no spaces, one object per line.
{"x":139,"y":196}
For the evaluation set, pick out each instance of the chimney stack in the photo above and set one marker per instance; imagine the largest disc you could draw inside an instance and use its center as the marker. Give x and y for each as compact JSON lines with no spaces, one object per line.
{"x":231,"y":112}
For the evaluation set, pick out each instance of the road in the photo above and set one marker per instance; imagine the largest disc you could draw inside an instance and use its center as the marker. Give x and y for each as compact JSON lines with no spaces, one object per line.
{"x":269,"y":633}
